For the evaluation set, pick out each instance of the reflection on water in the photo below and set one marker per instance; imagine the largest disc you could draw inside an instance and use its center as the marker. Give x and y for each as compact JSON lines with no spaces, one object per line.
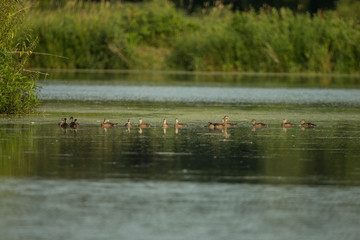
{"x":268,"y":155}
{"x":156,"y":210}
{"x":153,"y":78}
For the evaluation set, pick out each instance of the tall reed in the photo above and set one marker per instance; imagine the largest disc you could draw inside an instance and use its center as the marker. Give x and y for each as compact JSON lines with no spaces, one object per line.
{"x":273,"y":41}
{"x":18,"y":89}
{"x":156,"y":35}
{"x":102,"y":35}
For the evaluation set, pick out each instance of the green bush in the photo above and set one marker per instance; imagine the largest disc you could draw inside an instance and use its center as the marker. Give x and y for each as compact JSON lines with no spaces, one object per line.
{"x":272,"y":41}
{"x":156,"y":35}
{"x":102,"y":35}
{"x":18,"y":91}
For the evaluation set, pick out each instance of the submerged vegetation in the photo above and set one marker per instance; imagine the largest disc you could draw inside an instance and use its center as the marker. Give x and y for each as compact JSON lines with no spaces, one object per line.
{"x":18,"y":91}
{"x":156,"y":35}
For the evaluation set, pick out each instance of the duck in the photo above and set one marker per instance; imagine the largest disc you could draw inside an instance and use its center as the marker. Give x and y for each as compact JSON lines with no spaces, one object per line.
{"x":74,"y":124}
{"x":165,"y":125}
{"x":287,"y":124}
{"x":255,"y":124}
{"x":229,"y":124}
{"x":306,"y":124}
{"x":143,"y":125}
{"x":107,"y":124}
{"x":218,"y":125}
{"x":128,"y":124}
{"x":221,"y":125}
{"x":179,"y":125}
{"x":63,"y":123}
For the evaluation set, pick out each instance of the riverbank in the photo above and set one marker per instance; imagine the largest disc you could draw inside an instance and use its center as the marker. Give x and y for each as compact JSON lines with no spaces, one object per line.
{"x":157,"y":36}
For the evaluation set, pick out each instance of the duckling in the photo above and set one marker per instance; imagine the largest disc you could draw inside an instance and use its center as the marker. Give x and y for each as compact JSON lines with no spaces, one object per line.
{"x":306,"y":124}
{"x":287,"y":124}
{"x":255,"y":124}
{"x":74,"y":124}
{"x":63,"y":123}
{"x":165,"y":125}
{"x":179,"y":125}
{"x":229,"y":124}
{"x":107,"y":124}
{"x":218,"y":125}
{"x":128,"y":124}
{"x":221,"y":125}
{"x":143,"y":125}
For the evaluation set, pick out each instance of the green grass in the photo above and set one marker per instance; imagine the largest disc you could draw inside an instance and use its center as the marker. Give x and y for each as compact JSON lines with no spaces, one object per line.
{"x":18,"y":90}
{"x":155,"y":35}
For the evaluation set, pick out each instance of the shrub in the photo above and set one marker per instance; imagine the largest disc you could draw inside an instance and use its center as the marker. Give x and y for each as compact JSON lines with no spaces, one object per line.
{"x":272,"y":40}
{"x":18,"y":91}
{"x":156,"y":35}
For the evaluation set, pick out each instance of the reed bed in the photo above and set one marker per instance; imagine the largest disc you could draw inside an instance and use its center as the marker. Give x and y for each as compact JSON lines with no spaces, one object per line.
{"x":156,"y":36}
{"x":18,"y":88}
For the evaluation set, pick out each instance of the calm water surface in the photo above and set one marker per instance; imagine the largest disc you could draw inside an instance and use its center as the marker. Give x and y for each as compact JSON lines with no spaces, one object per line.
{"x":191,"y":183}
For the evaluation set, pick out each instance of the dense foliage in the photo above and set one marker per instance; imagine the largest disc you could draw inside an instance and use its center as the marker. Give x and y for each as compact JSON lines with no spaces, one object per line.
{"x":191,"y":5}
{"x":156,"y":35}
{"x":17,"y":89}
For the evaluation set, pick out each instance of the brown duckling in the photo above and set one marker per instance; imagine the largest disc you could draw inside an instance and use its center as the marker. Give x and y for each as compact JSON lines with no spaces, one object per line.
{"x":306,"y":124}
{"x":287,"y":124}
{"x":221,"y":125}
{"x":179,"y":125}
{"x":107,"y":124}
{"x":229,"y":124}
{"x":74,"y":124}
{"x":165,"y":125}
{"x":143,"y":125}
{"x":63,"y":123}
{"x":218,"y":125}
{"x":255,"y":124}
{"x":128,"y":124}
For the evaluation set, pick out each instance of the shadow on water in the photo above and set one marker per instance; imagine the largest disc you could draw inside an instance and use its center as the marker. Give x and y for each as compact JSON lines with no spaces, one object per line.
{"x":272,"y":155}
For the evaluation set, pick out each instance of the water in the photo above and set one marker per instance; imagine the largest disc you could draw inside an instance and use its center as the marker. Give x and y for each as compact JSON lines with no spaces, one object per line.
{"x":274,"y":155}
{"x":269,"y":183}
{"x":117,"y":209}
{"x":197,"y":94}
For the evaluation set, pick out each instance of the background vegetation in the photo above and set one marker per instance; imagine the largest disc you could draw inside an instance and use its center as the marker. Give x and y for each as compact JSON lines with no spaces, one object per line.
{"x":17,"y":89}
{"x":155,"y":35}
{"x":190,"y":6}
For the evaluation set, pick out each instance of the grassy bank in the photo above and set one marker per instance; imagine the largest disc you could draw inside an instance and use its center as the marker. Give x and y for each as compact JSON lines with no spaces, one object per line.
{"x":18,"y":90}
{"x":157,"y":36}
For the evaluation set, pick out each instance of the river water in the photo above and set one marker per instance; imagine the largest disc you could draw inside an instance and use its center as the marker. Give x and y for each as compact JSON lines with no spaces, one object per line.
{"x":238,"y":183}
